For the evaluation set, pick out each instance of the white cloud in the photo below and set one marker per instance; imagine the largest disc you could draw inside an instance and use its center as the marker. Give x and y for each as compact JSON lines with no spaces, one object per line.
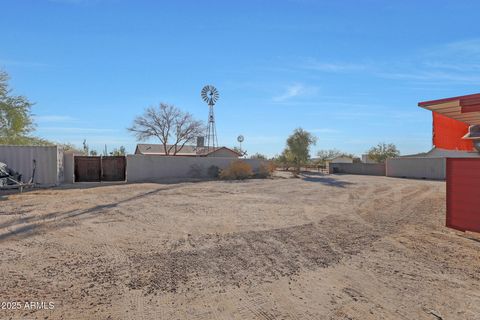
{"x":70,"y":130}
{"x":454,"y":62}
{"x":20,"y":63}
{"x":432,"y":76}
{"x":53,"y":118}
{"x":452,"y":66}
{"x":255,"y":139}
{"x":313,"y":64}
{"x":464,"y":48}
{"x":72,"y":1}
{"x":323,"y":130}
{"x":354,"y":114}
{"x":295,"y":90}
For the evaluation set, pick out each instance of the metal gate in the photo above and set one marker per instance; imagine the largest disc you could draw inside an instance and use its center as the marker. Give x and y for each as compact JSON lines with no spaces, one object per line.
{"x":96,"y":169}
{"x":463,"y":194}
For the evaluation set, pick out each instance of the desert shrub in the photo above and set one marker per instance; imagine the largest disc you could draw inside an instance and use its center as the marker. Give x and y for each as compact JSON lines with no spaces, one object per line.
{"x":258,"y":156}
{"x":213,"y":171}
{"x":272,"y":166}
{"x":195,"y":171}
{"x":237,"y":170}
{"x":266,"y":169}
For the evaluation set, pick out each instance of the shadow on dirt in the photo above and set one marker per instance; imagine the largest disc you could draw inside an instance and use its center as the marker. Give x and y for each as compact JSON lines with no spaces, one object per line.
{"x":328,"y":181}
{"x":41,"y":223}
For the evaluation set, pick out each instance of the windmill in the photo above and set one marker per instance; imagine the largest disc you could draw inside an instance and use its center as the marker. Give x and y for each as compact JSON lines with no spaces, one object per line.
{"x":240,"y":139}
{"x":210,"y":96}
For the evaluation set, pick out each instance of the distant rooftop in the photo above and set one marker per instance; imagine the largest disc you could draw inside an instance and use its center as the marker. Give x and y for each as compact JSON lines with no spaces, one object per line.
{"x":187,"y":150}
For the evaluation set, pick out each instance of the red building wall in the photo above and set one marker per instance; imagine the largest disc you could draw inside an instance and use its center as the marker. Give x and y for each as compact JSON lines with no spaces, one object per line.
{"x":463,"y":194}
{"x":448,"y":133}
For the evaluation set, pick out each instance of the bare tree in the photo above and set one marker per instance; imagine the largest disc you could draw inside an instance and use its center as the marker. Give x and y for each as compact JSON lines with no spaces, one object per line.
{"x":167,"y":123}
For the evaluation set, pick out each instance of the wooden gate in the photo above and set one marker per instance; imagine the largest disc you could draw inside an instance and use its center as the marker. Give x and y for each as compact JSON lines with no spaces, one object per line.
{"x":96,"y":169}
{"x":88,"y":169}
{"x":463,"y":194}
{"x":113,"y":168}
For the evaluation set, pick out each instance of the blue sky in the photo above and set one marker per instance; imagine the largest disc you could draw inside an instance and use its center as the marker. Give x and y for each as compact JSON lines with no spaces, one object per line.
{"x":351,"y":72}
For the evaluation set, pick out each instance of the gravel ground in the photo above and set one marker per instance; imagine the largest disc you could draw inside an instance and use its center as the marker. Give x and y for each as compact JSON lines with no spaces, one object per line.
{"x":315,"y":247}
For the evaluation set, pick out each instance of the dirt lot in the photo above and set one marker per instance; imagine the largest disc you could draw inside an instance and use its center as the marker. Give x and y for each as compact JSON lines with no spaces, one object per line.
{"x":321,"y":247}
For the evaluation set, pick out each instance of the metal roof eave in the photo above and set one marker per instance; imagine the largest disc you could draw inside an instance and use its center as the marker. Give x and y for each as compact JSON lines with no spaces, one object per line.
{"x":462,"y":108}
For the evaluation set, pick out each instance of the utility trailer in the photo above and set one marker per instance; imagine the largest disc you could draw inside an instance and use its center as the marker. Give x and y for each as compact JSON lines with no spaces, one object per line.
{"x":10,"y":179}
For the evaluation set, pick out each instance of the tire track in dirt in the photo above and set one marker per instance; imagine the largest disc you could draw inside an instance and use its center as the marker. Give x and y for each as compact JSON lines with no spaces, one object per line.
{"x":132,"y":302}
{"x":243,"y":258}
{"x":255,"y":305}
{"x":393,"y":206}
{"x":192,"y":258}
{"x":261,"y":305}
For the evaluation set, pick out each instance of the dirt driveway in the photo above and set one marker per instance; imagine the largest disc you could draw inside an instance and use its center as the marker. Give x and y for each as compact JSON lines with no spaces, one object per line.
{"x":321,"y":247}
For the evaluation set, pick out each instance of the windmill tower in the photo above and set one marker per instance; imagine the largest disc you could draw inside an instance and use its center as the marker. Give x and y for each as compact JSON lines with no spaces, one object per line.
{"x":210,"y":96}
{"x":240,"y":140}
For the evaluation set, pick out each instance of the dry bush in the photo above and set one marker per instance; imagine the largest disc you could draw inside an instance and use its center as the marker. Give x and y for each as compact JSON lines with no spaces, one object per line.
{"x":272,"y":167}
{"x":195,"y":171}
{"x":237,"y":170}
{"x":213,"y":171}
{"x":266,"y":169}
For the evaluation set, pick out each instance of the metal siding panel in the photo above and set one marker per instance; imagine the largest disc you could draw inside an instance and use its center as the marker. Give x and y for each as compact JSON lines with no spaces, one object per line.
{"x":20,"y":158}
{"x":448,"y":133}
{"x":463,"y":194}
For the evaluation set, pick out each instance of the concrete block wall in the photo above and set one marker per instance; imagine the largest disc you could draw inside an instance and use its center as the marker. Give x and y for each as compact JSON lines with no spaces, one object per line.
{"x":372,"y":169}
{"x":143,"y":168}
{"x":417,"y":167}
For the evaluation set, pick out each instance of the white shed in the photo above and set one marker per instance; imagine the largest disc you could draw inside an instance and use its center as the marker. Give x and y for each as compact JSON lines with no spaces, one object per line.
{"x":339,"y":159}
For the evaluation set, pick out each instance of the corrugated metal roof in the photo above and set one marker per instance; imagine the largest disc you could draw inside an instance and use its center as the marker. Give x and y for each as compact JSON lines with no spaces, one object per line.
{"x":462,"y":108}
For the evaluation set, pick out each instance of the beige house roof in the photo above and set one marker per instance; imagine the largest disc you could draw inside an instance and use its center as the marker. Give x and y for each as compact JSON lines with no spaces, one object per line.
{"x":187,"y":150}
{"x":158,"y":149}
{"x":338,"y":157}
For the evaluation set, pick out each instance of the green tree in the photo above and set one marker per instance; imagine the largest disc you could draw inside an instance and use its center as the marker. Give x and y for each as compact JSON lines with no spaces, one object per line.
{"x":258,"y":156}
{"x":383,"y":151}
{"x":68,"y":147}
{"x":298,"y":147}
{"x":285,"y":159}
{"x":118,"y":152}
{"x":25,"y":140}
{"x":15,"y":115}
{"x":93,"y":152}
